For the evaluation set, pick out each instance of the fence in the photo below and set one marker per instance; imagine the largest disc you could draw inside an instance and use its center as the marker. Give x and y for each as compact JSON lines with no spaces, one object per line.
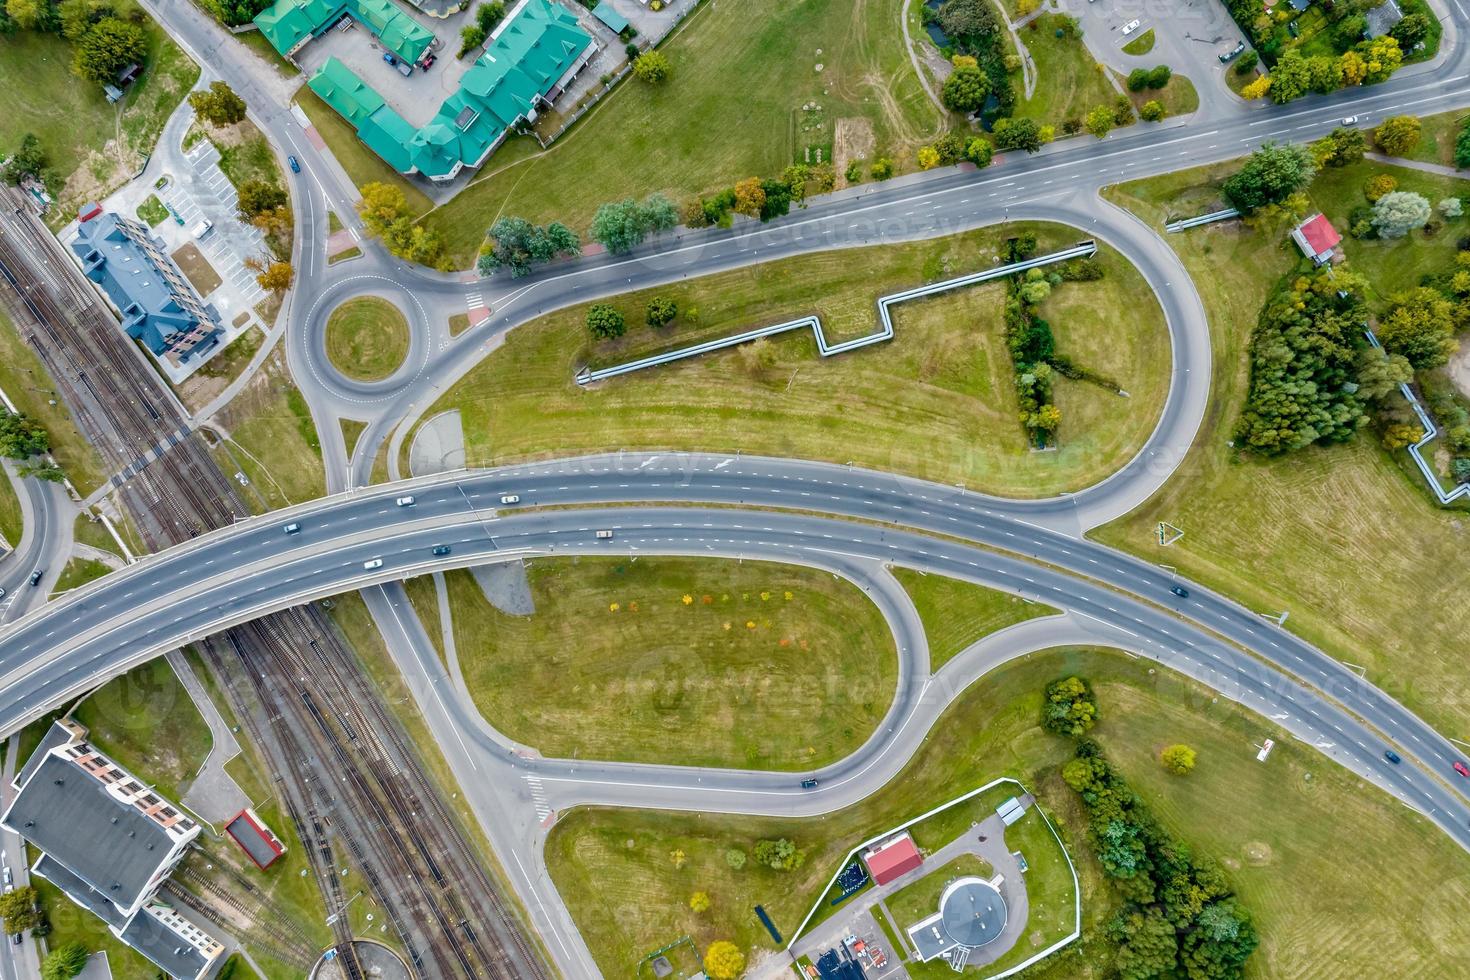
{"x":884,"y":332}
{"x":1431,"y":432}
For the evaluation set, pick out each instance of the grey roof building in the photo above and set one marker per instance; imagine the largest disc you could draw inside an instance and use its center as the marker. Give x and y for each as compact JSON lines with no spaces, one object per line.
{"x":158,"y":305}
{"x":108,"y":841}
{"x":1382,"y":18}
{"x":971,"y":914}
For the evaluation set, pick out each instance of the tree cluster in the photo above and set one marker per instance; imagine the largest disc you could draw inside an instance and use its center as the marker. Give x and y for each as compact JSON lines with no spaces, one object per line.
{"x":516,"y":244}
{"x":217,"y":105}
{"x":1180,"y":917}
{"x":975,"y":32}
{"x":20,"y":909}
{"x":1070,"y":707}
{"x":29,"y":160}
{"x":620,"y":226}
{"x":1303,"y":350}
{"x":780,"y":854}
{"x":21,"y":437}
{"x":1144,"y":78}
{"x":769,"y":197}
{"x":384,"y":212}
{"x":108,"y":47}
{"x":1339,"y":148}
{"x":1269,"y":176}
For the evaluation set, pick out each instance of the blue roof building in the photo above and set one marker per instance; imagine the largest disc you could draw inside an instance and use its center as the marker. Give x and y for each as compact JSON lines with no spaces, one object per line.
{"x":158,"y":305}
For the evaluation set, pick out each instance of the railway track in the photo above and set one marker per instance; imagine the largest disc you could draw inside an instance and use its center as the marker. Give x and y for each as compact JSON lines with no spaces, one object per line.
{"x":345,"y":770}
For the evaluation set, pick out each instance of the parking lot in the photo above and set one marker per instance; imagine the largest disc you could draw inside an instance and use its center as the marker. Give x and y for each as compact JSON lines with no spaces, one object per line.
{"x":416,"y":97}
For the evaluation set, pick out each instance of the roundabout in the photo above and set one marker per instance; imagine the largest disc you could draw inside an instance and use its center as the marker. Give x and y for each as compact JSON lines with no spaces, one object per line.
{"x":367,"y":338}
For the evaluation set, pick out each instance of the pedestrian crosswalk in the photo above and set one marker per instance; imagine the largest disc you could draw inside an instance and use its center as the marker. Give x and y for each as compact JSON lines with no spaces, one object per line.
{"x":538,"y":797}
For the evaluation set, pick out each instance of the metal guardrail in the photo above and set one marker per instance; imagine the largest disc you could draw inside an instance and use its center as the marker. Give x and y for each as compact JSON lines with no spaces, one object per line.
{"x":1184,"y":224}
{"x":884,"y":332}
{"x":1431,"y":432}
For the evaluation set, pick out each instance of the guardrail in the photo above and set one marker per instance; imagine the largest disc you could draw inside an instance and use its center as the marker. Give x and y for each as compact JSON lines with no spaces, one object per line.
{"x":1431,"y":432}
{"x":884,"y":332}
{"x":1184,"y":224}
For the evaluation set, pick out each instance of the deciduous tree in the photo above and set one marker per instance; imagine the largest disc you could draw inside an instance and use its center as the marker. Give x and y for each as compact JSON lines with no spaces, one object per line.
{"x":1420,"y":326}
{"x":749,"y":196}
{"x":276,"y":277}
{"x":217,"y":105}
{"x":110,"y":46}
{"x":653,"y":67}
{"x":1070,"y":707}
{"x":1178,"y":759}
{"x":1100,"y":121}
{"x":1151,"y":111}
{"x":661,"y":311}
{"x":605,"y":322}
{"x":965,"y":90}
{"x":21,"y":437}
{"x":19,"y":909}
{"x":1269,"y":176}
{"x":723,"y":960}
{"x":1399,"y":212}
{"x":1397,"y":135}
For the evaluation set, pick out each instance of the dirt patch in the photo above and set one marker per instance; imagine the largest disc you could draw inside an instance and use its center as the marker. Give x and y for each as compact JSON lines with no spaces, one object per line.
{"x":1459,"y":366}
{"x":196,"y":269}
{"x":852,"y":139}
{"x":1257,"y":853}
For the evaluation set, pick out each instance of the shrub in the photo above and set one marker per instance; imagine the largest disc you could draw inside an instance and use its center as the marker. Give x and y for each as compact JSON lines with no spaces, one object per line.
{"x":1397,"y":213}
{"x":1246,"y":63}
{"x":735,"y":858}
{"x":1178,"y":759}
{"x":1397,"y":135}
{"x":653,"y":67}
{"x":1159,"y":76}
{"x":1138,"y":79}
{"x":1152,"y":110}
{"x":1451,"y":207}
{"x":661,"y":311}
{"x":854,"y":172}
{"x":605,"y":322}
{"x":1070,"y":707}
{"x":882,"y":168}
{"x":471,"y":36}
{"x":1378,"y":185}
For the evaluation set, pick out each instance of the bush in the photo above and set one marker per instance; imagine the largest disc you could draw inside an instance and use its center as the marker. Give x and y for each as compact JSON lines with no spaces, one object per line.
{"x":882,"y":168}
{"x":1246,"y":63}
{"x":735,"y":858}
{"x":605,"y":322}
{"x":1138,"y":79}
{"x":1378,"y":185}
{"x":1159,"y":76}
{"x":1397,"y":213}
{"x":1451,"y":207}
{"x":653,"y":67}
{"x":661,"y":311}
{"x":1397,"y":135}
{"x":1070,"y":707}
{"x":471,"y":36}
{"x":854,"y":172}
{"x":1152,"y":110}
{"x":1178,"y":759}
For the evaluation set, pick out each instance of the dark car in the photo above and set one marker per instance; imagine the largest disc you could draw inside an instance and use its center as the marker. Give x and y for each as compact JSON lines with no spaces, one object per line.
{"x":808,"y":784}
{"x":15,"y":939}
{"x":1392,"y":756}
{"x":442,"y":549}
{"x":1180,"y":592}
{"x":36,"y":576}
{"x":1233,"y":53}
{"x":295,"y":165}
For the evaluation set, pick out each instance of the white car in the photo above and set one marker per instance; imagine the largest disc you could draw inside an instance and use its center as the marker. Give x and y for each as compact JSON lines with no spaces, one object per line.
{"x":405,"y":501}
{"x":511,"y":498}
{"x":1350,"y":121}
{"x":1130,"y":27}
{"x":372,"y":563}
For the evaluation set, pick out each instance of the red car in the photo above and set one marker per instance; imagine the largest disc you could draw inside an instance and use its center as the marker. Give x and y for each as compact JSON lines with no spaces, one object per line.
{"x":1460,"y":768}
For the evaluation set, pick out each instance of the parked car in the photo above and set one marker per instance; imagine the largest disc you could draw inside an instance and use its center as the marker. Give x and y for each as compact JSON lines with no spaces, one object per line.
{"x":1392,"y":756}
{"x":389,"y":58}
{"x":1130,"y":27}
{"x":36,"y":576}
{"x":1460,"y":768}
{"x":293,"y":528}
{"x":202,"y":228}
{"x":405,"y":501}
{"x":372,"y":563}
{"x":294,"y":164}
{"x":442,"y":549}
{"x":404,"y":68}
{"x":511,"y":498}
{"x":1233,"y":53}
{"x":1182,"y":593}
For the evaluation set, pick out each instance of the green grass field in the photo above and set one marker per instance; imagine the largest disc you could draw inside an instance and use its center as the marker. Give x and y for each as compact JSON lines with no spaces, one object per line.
{"x":367,"y":338}
{"x":89,"y":532}
{"x":145,"y":720}
{"x":80,"y":571}
{"x":1178,"y":97}
{"x":710,"y":126}
{"x":956,"y":614}
{"x":936,"y":402}
{"x":273,"y":440}
{"x":1069,"y":79}
{"x":1279,"y":835}
{"x":30,"y":387}
{"x":12,"y":524}
{"x":1369,"y":590}
{"x":767,"y":666}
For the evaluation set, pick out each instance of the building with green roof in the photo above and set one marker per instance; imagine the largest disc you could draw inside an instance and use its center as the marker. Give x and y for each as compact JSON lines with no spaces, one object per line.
{"x":289,"y":24}
{"x":533,"y":56}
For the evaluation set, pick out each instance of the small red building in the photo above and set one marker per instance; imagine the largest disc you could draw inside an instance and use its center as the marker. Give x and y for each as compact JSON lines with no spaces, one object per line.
{"x":255,"y":838}
{"x":894,"y":857}
{"x":1316,"y":238}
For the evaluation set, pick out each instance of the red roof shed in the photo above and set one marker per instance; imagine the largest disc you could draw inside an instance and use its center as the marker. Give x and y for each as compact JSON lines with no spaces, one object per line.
{"x":1316,"y":237}
{"x":893,"y":858}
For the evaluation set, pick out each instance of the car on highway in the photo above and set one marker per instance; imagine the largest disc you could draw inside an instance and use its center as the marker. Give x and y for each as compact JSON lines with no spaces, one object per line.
{"x":405,"y":501}
{"x":1350,"y":121}
{"x":1181,"y":592}
{"x":292,"y":528}
{"x":294,"y":164}
{"x":15,"y":940}
{"x":809,"y":783}
{"x":1460,"y":768}
{"x":604,"y":535}
{"x":372,"y":563}
{"x":1392,"y":756}
{"x":36,"y":576}
{"x":1130,"y":27}
{"x":2,"y":593}
{"x":442,"y":549}
{"x":511,"y":498}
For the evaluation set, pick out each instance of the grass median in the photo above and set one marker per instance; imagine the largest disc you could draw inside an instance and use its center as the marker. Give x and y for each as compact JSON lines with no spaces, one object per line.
{"x":938,"y":401}
{"x":955,"y":614}
{"x":764,"y":666}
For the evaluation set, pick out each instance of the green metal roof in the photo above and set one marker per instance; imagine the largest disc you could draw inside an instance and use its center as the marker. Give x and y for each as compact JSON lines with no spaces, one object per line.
{"x":614,"y":20}
{"x":288,"y":23}
{"x":526,"y":59}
